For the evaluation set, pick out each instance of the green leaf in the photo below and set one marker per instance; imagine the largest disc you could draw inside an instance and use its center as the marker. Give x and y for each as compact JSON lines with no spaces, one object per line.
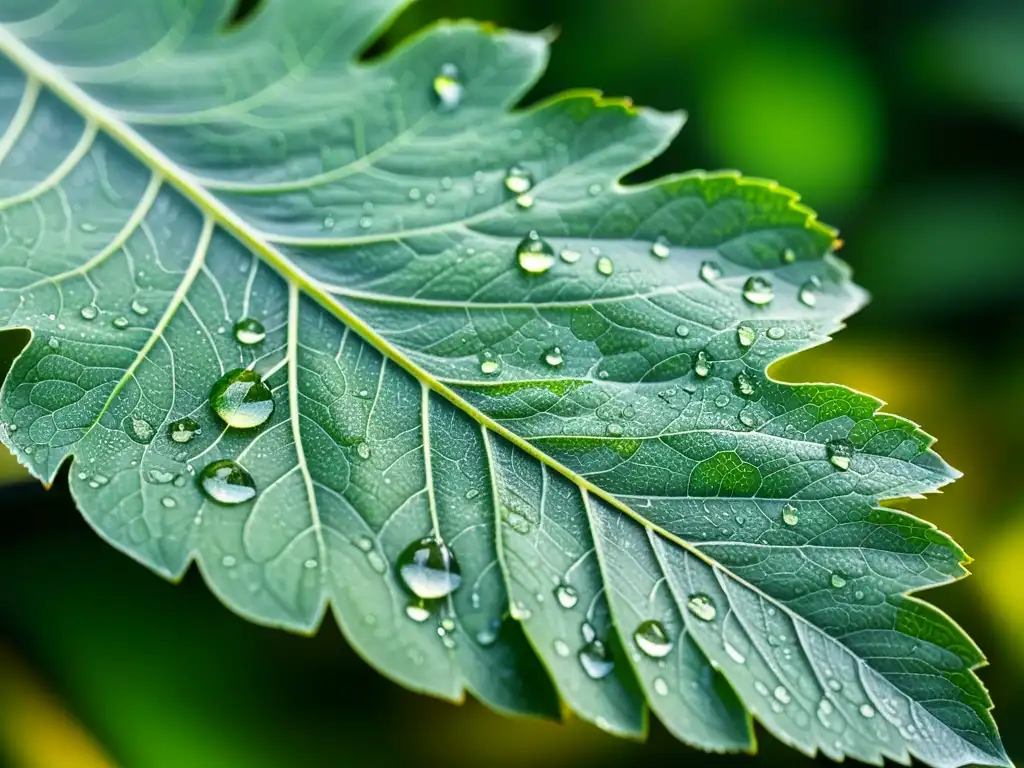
{"x":582,"y":417}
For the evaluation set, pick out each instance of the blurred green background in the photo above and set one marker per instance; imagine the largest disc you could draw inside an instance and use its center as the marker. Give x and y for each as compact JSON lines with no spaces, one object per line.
{"x":902,"y":123}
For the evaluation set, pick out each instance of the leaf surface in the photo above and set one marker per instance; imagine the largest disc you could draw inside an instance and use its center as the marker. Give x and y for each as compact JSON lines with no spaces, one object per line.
{"x":641,"y":517}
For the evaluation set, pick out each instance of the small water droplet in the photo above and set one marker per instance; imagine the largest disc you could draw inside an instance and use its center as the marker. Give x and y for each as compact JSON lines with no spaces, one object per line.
{"x":775,"y":333}
{"x":53,"y":343}
{"x":490,"y":366}
{"x":701,"y":606}
{"x":790,"y":516}
{"x":520,"y":612}
{"x":745,"y":385}
{"x":553,"y":357}
{"x":595,"y":660}
{"x":139,"y":430}
{"x":682,"y":330}
{"x":365,"y":222}
{"x":525,"y":201}
{"x":227,"y":482}
{"x":139,"y":308}
{"x":734,"y":654}
{"x":782,"y":695}
{"x":758,"y":291}
{"x":809,"y":294}
{"x":310,"y":564}
{"x":566,"y":595}
{"x":867,"y":711}
{"x":89,"y":312}
{"x":702,"y":366}
{"x":534,"y":254}
{"x":415,"y":194}
{"x":472,"y":493}
{"x":746,"y":336}
{"x":417,"y":611}
{"x":487,"y":636}
{"x":660,"y":248}
{"x":518,"y":180}
{"x":86,"y":226}
{"x":363,"y":449}
{"x":561,"y":648}
{"x":429,"y":569}
{"x":242,"y":399}
{"x":788,"y":256}
{"x":448,"y":87}
{"x":183,"y":430}
{"x":228,"y":561}
{"x":249,"y":331}
{"x":651,"y":638}
{"x":605,"y":266}
{"x":168,"y":502}
{"x":120,"y":322}
{"x":840,"y":453}
{"x":614,"y":429}
{"x":722,"y":400}
{"x":328,"y":223}
{"x":710,"y":272}
{"x":660,"y":686}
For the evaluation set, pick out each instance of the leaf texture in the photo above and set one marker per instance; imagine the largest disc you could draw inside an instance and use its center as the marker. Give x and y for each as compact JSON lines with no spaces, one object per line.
{"x":642,"y":518}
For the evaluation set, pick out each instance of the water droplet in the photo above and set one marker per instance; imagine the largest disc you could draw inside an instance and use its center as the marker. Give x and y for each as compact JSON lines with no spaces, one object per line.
{"x":809,"y":294}
{"x":840,"y":453}
{"x":249,"y":331}
{"x":702,"y":366}
{"x":525,"y":201}
{"x":520,"y":612}
{"x":651,"y":638}
{"x":838,"y":580}
{"x":365,"y":222}
{"x":734,"y":654}
{"x":782,"y":695}
{"x":429,"y":569}
{"x":86,"y":226}
{"x":553,"y":357}
{"x":376,"y":562}
{"x":758,"y":291}
{"x":788,"y":256}
{"x":682,"y":330}
{"x":472,"y":493}
{"x":417,"y":611}
{"x":605,"y":266}
{"x":566,"y":595}
{"x":310,"y":564}
{"x":722,"y":400}
{"x":746,"y":336}
{"x":660,"y":248}
{"x":328,"y":223}
{"x":490,"y":366}
{"x":518,"y":180}
{"x":595,"y":660}
{"x":561,"y":648}
{"x":660,"y":686}
{"x":710,"y":272}
{"x":159,"y":477}
{"x":701,"y":606}
{"x":570,"y":256}
{"x":140,"y":430}
{"x":867,"y":711}
{"x":447,"y":86}
{"x":363,"y":449}
{"x":776,"y":333}
{"x":241,"y":399}
{"x":488,"y":635}
{"x":535,"y":255}
{"x":790,"y":515}
{"x":89,"y":312}
{"x":139,"y":308}
{"x":168,"y":502}
{"x":415,"y":194}
{"x":183,"y":430}
{"x":53,"y":343}
{"x":614,"y":429}
{"x":120,"y":323}
{"x":587,"y":632}
{"x":745,"y":385}
{"x":228,"y":561}
{"x":227,"y":482}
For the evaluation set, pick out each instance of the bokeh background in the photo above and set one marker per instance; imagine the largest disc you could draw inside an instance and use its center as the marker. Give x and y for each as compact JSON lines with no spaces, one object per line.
{"x":902,"y":123}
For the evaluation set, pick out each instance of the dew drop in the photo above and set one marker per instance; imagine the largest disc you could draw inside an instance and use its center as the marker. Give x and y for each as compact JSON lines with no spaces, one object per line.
{"x":782,"y":694}
{"x":867,"y":711}
{"x":228,"y":561}
{"x":660,"y":686}
{"x":838,"y":580}
{"x":415,"y":194}
{"x":168,"y":502}
{"x":520,"y":612}
{"x":227,"y":482}
{"x":183,"y":430}
{"x":120,"y":322}
{"x":534,"y":254}
{"x":790,"y":515}
{"x":746,"y":336}
{"x":159,"y":477}
{"x":518,"y":180}
{"x":139,"y":430}
{"x":660,"y":248}
{"x":429,"y":569}
{"x":376,"y":562}
{"x":776,"y":333}
{"x":651,"y":638}
{"x":89,"y":312}
{"x":566,"y":595}
{"x":363,"y":450}
{"x":328,"y":223}
{"x":53,"y":343}
{"x":605,"y":266}
{"x":840,"y":453}
{"x":758,"y":291}
{"x":365,"y":222}
{"x":139,"y":308}
{"x":242,"y":399}
{"x":788,"y":256}
{"x":595,"y":660}
{"x":86,"y":226}
{"x":710,"y":272}
{"x":472,"y":493}
{"x":249,"y":331}
{"x":808,"y":294}
{"x":761,"y":688}
{"x":490,"y":366}
{"x":561,"y":648}
{"x":745,"y":385}
{"x":682,"y":330}
{"x":447,"y":87}
{"x":702,"y":366}
{"x":570,"y":256}
{"x":417,"y":611}
{"x":525,"y":201}
{"x":701,"y":606}
{"x":734,"y":654}
{"x":553,"y":357}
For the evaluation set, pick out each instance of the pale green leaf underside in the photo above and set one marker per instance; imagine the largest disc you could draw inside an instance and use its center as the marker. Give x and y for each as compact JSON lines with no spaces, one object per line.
{"x":178,"y":178}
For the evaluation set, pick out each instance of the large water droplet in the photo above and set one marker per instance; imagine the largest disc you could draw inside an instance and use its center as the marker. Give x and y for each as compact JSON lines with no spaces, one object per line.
{"x":227,"y":482}
{"x":448,"y":87}
{"x":595,"y":660}
{"x":701,"y":606}
{"x":429,"y":569}
{"x":790,"y":515}
{"x":710,"y":272}
{"x":660,"y":248}
{"x":242,"y":399}
{"x":840,"y":453}
{"x":249,"y":331}
{"x":139,"y":430}
{"x":758,"y":291}
{"x":652,"y":639}
{"x":605,"y":266}
{"x":566,"y":595}
{"x":702,"y":366}
{"x":535,"y":255}
{"x":183,"y":430}
{"x":746,"y":336}
{"x":518,"y":180}
{"x":553,"y":357}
